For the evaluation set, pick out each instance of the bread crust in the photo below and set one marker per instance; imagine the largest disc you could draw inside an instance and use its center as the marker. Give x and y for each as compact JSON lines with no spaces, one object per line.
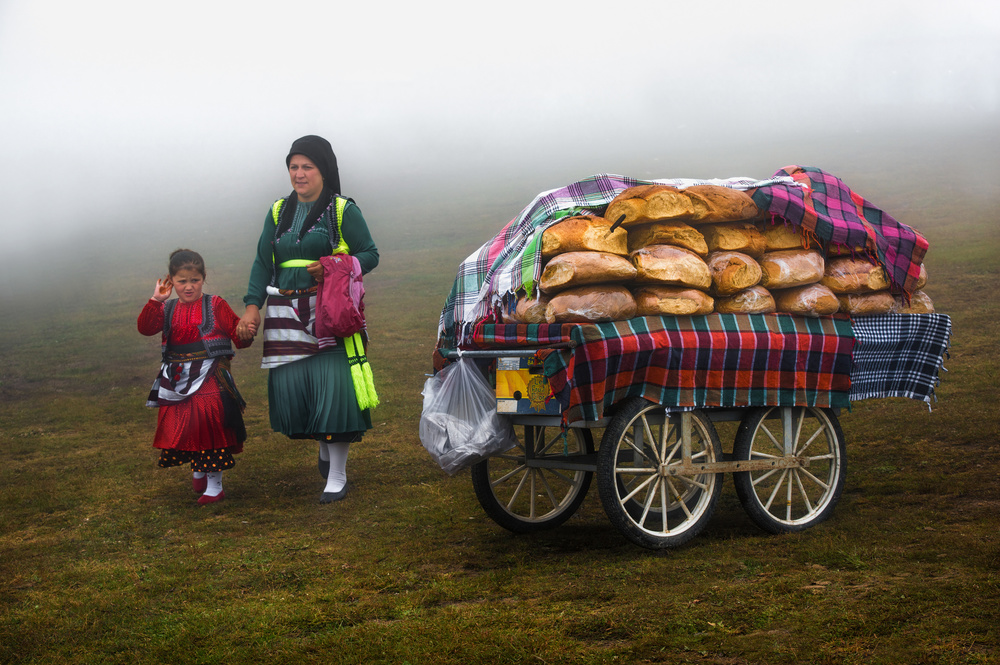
{"x":700,"y":204}
{"x":571,"y":269}
{"x":655,"y":300}
{"x":845,"y":274}
{"x":783,"y":236}
{"x":867,"y":304}
{"x":583,"y":233}
{"x":666,"y":264}
{"x":742,"y":237}
{"x":755,"y":300}
{"x":527,"y":310}
{"x":591,"y":304}
{"x":732,"y":272}
{"x":920,"y":303}
{"x":808,"y":300}
{"x":791,"y":267}
{"x":667,"y":232}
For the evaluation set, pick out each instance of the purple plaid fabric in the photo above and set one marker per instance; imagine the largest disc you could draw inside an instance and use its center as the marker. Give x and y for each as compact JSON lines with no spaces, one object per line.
{"x":828,"y":209}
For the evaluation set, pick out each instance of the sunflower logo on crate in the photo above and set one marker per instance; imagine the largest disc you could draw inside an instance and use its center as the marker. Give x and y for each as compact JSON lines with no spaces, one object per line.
{"x":523,"y":388}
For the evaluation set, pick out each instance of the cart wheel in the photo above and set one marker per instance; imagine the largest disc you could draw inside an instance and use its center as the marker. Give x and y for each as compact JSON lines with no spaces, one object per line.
{"x":790,"y":499}
{"x":644,"y":497}
{"x":524,"y":499}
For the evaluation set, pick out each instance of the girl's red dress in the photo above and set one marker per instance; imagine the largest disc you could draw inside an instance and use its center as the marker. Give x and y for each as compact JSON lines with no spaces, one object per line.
{"x":197,"y":423}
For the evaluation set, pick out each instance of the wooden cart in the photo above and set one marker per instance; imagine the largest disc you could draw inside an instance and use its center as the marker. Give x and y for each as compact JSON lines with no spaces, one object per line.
{"x":659,"y":468}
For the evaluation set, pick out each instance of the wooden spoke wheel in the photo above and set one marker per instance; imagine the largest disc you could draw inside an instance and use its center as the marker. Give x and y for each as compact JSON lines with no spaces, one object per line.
{"x":647,"y":473}
{"x":790,"y":498}
{"x":523,"y":497}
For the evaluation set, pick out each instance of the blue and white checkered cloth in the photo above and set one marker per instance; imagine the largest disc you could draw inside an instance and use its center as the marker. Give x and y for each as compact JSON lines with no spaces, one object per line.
{"x":899,"y":355}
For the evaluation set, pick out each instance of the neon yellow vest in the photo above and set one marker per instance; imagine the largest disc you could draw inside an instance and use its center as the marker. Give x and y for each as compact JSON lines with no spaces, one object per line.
{"x":341,"y":247}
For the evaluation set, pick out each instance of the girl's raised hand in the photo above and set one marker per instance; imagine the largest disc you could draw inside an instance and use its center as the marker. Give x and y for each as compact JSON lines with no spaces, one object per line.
{"x":163,"y":289}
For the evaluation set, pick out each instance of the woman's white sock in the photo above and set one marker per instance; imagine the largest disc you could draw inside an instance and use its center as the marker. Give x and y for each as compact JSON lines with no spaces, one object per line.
{"x":337,"y":477}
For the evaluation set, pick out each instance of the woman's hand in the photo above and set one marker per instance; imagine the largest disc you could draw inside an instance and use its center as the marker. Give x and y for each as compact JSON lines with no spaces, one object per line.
{"x":163,"y":289}
{"x":246,"y":329}
{"x":315,"y":271}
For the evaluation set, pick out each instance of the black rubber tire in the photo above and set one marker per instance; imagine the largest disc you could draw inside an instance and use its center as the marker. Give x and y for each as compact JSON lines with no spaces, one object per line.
{"x":558,"y":492}
{"x":808,"y":494}
{"x":631,"y":476}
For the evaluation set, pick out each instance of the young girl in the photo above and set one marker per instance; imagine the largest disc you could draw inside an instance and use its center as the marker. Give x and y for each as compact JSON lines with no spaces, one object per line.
{"x":200,"y":420}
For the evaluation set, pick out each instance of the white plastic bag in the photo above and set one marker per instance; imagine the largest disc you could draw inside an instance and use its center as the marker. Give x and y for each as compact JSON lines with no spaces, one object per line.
{"x":459,"y":425}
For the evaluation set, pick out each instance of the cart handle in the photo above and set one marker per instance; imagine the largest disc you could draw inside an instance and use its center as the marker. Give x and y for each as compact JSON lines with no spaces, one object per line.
{"x":506,"y":353}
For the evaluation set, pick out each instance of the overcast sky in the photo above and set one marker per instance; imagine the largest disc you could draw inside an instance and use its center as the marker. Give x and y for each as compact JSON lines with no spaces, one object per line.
{"x":173,"y":103}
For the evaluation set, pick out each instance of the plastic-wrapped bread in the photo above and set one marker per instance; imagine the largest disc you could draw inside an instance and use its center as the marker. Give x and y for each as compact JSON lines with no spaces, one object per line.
{"x":667,"y":232}
{"x":571,"y":269}
{"x":844,"y":250}
{"x":791,"y":267}
{"x":783,"y":236}
{"x":700,"y":204}
{"x":755,"y":300}
{"x":732,"y":272}
{"x":920,"y":303}
{"x":742,"y":237}
{"x":527,"y":310}
{"x":654,"y":300}
{"x":584,"y":233}
{"x":591,"y":304}
{"x":666,"y":264}
{"x":809,"y":300}
{"x":866,"y":304}
{"x":844,"y":274}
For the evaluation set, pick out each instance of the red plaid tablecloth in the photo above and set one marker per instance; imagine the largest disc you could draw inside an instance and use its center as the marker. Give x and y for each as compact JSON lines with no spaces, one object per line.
{"x":717,"y":360}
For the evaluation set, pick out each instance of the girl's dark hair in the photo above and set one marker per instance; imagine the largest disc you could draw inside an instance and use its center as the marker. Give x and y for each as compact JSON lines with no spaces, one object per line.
{"x":186,"y":258}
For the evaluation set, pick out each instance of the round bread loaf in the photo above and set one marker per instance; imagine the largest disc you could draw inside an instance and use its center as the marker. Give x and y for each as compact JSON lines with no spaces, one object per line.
{"x":701,"y":204}
{"x":809,"y":300}
{"x":591,"y":304}
{"x":655,"y":300}
{"x":922,"y":278}
{"x":865,"y":304}
{"x":755,"y":300}
{"x":666,"y":264}
{"x":734,"y":237}
{"x":527,"y":310}
{"x":571,"y":269}
{"x":732,"y":272}
{"x":783,"y":236}
{"x":791,"y":267}
{"x":920,"y":303}
{"x":678,"y":234}
{"x":715,"y":203}
{"x":583,"y":233}
{"x":844,"y":274}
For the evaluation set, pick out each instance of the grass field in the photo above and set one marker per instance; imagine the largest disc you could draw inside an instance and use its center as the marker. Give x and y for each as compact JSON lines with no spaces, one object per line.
{"x":106,"y":559}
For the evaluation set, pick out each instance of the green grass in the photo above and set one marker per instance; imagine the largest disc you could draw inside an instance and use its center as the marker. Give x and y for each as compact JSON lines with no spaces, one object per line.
{"x":106,"y":559}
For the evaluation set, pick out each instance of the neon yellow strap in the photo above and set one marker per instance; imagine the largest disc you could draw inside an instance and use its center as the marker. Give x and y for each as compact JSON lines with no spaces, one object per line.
{"x":341,"y":247}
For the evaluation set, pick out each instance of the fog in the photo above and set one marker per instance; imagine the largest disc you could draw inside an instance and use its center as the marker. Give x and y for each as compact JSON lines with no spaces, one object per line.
{"x":135,"y":120}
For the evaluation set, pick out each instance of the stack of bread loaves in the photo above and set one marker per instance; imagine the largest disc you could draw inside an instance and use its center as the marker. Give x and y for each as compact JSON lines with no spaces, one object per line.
{"x":694,"y":251}
{"x":583,"y":277}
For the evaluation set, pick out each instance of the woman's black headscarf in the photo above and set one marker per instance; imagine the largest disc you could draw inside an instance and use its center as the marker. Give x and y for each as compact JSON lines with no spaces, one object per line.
{"x":320,"y":152}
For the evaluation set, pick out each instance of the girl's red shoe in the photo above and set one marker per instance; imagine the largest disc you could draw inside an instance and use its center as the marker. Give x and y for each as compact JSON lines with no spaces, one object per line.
{"x":199,"y":484}
{"x":206,"y":499}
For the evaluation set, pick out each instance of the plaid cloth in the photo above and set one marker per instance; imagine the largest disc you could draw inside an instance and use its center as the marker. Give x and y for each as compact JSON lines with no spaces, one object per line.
{"x":828,"y":209}
{"x":899,"y":355}
{"x":716,"y":360}
{"x":511,"y":260}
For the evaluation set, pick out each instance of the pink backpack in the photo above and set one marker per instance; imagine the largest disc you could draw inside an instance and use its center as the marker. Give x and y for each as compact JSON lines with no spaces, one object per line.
{"x":340,"y":310}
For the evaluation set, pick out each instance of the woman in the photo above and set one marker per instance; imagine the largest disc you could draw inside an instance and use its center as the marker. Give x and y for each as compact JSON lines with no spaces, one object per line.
{"x":310,"y":390}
